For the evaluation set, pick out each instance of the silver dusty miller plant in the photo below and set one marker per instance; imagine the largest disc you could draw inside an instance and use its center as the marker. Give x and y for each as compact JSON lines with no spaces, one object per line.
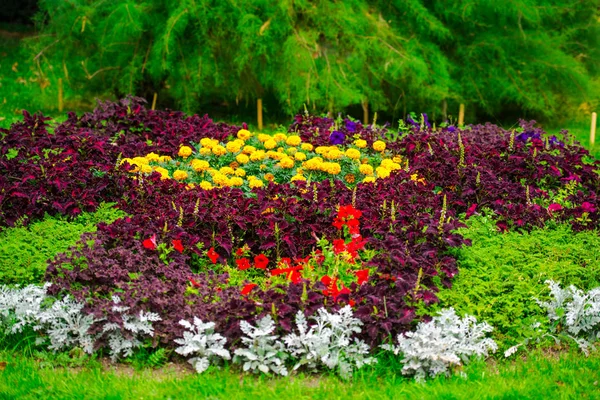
{"x":67,"y":326}
{"x":200,"y":340}
{"x":263,"y":352}
{"x":20,"y":307}
{"x":135,"y":325}
{"x":446,"y":341}
{"x":329,"y":342}
{"x":576,"y":312}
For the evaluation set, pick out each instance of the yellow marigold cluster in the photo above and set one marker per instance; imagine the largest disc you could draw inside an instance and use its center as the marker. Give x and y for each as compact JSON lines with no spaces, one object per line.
{"x":180,"y":175}
{"x":379,"y":145}
{"x":244,"y":134}
{"x":185,"y":151}
{"x":360,"y":143}
{"x":199,"y":165}
{"x":353,"y":154}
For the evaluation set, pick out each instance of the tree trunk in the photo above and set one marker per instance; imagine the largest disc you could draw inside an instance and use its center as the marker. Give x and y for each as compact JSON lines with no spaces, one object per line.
{"x":259,"y":114}
{"x":365,"y":107}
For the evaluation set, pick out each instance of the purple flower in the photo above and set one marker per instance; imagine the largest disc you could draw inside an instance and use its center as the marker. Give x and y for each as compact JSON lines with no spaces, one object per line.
{"x":554,"y":140}
{"x":337,"y":137}
{"x":412,"y":121}
{"x":451,"y":128}
{"x":426,"y":120}
{"x":350,"y":126}
{"x":528,"y":135}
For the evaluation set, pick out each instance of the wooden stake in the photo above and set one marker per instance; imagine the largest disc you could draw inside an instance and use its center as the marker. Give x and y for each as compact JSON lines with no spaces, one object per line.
{"x":461,"y":115}
{"x":154,"y":101}
{"x":365,"y":107}
{"x":60,"y":95}
{"x":593,"y":130}
{"x":259,"y":114}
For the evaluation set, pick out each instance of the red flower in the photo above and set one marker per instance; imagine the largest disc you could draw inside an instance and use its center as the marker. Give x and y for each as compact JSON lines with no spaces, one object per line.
{"x":150,"y":244}
{"x":194,"y":283}
{"x":248,"y":288}
{"x":177,"y":245}
{"x":588,"y":207}
{"x":240,"y":252}
{"x":362,"y":276}
{"x":261,"y":261}
{"x":339,"y":246}
{"x":243,"y":263}
{"x":213,"y":255}
{"x":332,"y":289}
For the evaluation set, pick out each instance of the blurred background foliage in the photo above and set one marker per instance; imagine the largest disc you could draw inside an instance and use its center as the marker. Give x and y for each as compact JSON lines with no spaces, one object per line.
{"x":535,"y":59}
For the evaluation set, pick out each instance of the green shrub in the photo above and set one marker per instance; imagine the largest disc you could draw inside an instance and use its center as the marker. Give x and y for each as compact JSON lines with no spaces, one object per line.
{"x":501,"y":274}
{"x":25,"y":251}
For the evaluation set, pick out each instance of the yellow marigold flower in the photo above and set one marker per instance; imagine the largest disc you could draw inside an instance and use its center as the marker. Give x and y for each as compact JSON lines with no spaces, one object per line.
{"x":255,"y":183}
{"x":286,"y":162}
{"x":291,"y":150}
{"x":263,"y":137}
{"x":233,"y":147}
{"x":219,"y":150}
{"x":190,"y":186}
{"x":226,"y":171}
{"x":300,"y":156}
{"x":270,"y":144}
{"x":389,"y":164}
{"x":397,"y":159}
{"x":164,"y":174}
{"x":123,"y":160}
{"x":164,"y":159}
{"x":199,"y":165}
{"x":139,"y":161}
{"x":333,"y":154}
{"x":248,"y":149}
{"x":320,"y":150}
{"x":299,"y":171}
{"x":274,"y":155}
{"x":234,"y":165}
{"x":280,"y":149}
{"x":211,"y":171}
{"x":146,"y":169}
{"x":314,"y":164}
{"x":236,"y":181}
{"x":205,"y":151}
{"x":350,"y":178}
{"x":207,"y":142}
{"x":258,"y":155}
{"x":379,"y":145}
{"x":280,"y":137}
{"x":244,"y":134}
{"x":270,"y":177}
{"x":382,"y":172}
{"x":365,"y":169}
{"x":185,"y":151}
{"x":152,"y":157}
{"x":306,"y":146}
{"x":242,"y":158}
{"x":369,"y":179}
{"x":262,"y":167}
{"x":220,"y":179}
{"x":333,"y":168}
{"x":360,"y":143}
{"x":293,"y":140}
{"x":297,"y":178}
{"x":180,"y":175}
{"x":206,"y":185}
{"x":240,"y":172}
{"x":353,"y":154}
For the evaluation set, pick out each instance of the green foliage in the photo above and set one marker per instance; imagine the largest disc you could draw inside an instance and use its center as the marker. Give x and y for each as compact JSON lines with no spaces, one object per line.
{"x":25,"y":250}
{"x":537,"y":55}
{"x":501,"y":274}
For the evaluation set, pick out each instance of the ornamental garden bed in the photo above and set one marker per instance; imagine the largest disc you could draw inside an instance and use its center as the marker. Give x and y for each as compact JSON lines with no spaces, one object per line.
{"x":322,"y":247}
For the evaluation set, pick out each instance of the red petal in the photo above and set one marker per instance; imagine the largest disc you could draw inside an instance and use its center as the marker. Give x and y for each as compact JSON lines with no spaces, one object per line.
{"x":177,"y":245}
{"x":248,"y":288}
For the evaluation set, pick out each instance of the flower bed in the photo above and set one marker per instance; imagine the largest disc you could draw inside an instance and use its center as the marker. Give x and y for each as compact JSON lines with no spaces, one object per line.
{"x":231,"y":227}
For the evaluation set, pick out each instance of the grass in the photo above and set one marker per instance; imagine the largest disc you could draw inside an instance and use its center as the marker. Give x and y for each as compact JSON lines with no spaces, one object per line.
{"x":565,"y":375}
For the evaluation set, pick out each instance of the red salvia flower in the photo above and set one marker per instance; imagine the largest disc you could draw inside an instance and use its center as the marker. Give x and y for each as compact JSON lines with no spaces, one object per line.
{"x":150,"y":244}
{"x":248,"y":288}
{"x":177,"y":245}
{"x":213,"y":255}
{"x":194,"y":283}
{"x":261,"y":261}
{"x":362,"y":276}
{"x":243,"y":263}
{"x":339,"y":246}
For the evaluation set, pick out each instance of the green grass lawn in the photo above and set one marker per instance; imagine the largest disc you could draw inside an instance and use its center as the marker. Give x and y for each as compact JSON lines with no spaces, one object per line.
{"x":564,"y":375}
